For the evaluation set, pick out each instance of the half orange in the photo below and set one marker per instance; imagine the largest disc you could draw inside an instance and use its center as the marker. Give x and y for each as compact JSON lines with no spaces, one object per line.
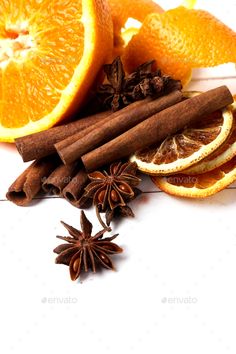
{"x":50,"y":55}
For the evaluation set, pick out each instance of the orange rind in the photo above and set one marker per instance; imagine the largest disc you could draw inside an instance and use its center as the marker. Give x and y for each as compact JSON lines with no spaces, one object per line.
{"x":179,"y":40}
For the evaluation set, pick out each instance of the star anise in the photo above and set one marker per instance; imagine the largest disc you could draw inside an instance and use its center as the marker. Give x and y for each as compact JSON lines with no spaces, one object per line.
{"x":83,"y":251}
{"x":112,"y":94}
{"x":111,"y":190}
{"x":122,"y":90}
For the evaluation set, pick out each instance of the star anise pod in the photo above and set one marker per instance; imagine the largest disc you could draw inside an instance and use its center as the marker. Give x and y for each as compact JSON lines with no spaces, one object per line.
{"x":124,"y":211}
{"x":83,"y":251}
{"x":112,"y":94}
{"x":111,"y":190}
{"x":122,"y":90}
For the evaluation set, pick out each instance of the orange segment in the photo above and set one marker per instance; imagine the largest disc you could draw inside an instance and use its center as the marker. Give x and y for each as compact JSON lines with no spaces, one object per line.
{"x":13,"y":96}
{"x":50,"y":54}
{"x":181,"y":39}
{"x":199,"y":186}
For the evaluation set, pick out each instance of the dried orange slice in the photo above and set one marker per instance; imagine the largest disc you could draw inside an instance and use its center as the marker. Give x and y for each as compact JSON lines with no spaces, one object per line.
{"x":199,"y":186}
{"x":50,"y":55}
{"x":181,"y":39}
{"x":233,"y":106}
{"x":222,"y":155}
{"x":177,"y":153}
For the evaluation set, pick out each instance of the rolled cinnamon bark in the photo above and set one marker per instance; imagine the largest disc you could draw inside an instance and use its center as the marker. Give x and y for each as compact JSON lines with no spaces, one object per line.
{"x":156,"y":128}
{"x":73,"y":148}
{"x":74,"y":190}
{"x":38,"y":145}
{"x":29,"y":183}
{"x":59,"y":179}
{"x":72,"y":140}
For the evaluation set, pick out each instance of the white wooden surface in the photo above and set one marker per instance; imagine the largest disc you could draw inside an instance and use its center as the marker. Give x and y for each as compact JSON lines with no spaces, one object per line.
{"x":174,"y":289}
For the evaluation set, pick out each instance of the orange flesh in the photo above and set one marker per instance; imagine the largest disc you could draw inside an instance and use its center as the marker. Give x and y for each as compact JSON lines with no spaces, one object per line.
{"x":38,"y":43}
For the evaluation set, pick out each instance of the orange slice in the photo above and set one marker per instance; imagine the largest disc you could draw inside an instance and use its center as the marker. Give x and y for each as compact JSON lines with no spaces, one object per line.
{"x":177,"y":153}
{"x":233,"y":106}
{"x":181,"y":39}
{"x":199,"y":186}
{"x":222,"y":155}
{"x":50,"y":55}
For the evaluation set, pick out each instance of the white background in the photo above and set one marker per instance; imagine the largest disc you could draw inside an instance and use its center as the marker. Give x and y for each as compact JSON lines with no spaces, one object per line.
{"x":174,"y":289}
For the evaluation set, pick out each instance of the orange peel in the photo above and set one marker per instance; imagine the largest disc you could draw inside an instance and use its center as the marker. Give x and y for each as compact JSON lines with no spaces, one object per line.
{"x":181,"y":39}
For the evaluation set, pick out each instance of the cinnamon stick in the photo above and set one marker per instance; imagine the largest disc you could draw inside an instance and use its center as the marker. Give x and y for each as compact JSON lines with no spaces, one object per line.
{"x":74,"y":190}
{"x":73,"y":148}
{"x":156,"y":128}
{"x":59,"y":179}
{"x":38,"y":145}
{"x":64,"y":144}
{"x":29,"y":183}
